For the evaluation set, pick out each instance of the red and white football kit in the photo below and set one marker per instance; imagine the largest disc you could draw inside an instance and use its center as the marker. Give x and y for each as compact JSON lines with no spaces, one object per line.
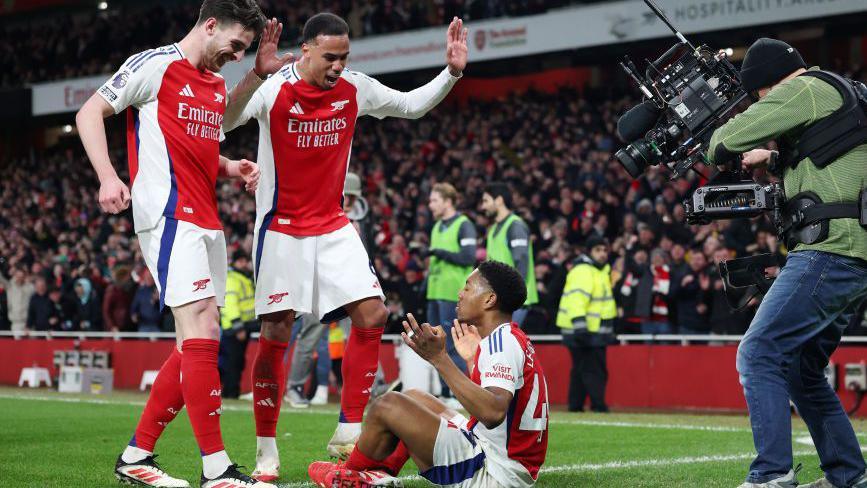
{"x":468,"y":454}
{"x":307,"y":256}
{"x":174,"y":131}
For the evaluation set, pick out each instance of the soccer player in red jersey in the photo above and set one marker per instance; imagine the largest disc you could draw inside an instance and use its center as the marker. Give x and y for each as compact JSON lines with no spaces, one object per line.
{"x":504,"y":442}
{"x":308,"y":258}
{"x":177,"y":103}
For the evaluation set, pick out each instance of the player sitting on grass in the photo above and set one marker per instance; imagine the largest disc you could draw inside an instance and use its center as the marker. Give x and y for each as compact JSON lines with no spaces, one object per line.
{"x":505,"y":440}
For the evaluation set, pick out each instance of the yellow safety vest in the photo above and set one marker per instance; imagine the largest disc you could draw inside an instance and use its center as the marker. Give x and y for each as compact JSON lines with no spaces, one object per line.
{"x":587,"y":294}
{"x":240,"y":300}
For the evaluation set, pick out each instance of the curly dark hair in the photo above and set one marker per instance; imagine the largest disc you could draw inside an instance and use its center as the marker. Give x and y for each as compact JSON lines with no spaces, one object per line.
{"x":499,"y":189}
{"x":507,"y":283}
{"x":244,"y":12}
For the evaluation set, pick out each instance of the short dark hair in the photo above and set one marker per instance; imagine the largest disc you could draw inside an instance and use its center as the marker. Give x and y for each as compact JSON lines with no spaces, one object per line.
{"x":507,"y":283}
{"x":324,"y":24}
{"x":499,"y":189}
{"x":244,"y":12}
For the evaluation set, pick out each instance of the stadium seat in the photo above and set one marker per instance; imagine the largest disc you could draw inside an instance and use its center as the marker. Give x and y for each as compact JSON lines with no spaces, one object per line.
{"x":34,"y":377}
{"x":147,"y":379}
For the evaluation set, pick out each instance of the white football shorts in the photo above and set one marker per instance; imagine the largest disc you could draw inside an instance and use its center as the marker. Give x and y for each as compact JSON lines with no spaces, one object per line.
{"x":188,"y":263}
{"x":312,"y":274}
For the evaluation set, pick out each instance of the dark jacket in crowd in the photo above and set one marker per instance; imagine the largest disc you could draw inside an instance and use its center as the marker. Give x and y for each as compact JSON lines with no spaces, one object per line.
{"x":42,"y":313}
{"x":145,"y":308}
{"x":689,"y":297}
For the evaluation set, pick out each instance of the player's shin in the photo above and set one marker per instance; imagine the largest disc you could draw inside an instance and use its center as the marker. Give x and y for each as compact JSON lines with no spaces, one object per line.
{"x":359,"y":371}
{"x":201,"y":387}
{"x":165,"y":401}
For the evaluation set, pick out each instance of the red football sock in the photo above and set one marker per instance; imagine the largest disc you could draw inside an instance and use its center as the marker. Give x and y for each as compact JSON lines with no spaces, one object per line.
{"x":163,"y":405}
{"x":269,"y":381}
{"x":359,"y":370}
{"x":201,"y":386}
{"x":359,"y":461}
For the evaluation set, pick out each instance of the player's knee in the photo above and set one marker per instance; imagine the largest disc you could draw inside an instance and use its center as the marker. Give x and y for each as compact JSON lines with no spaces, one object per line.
{"x":376,"y":317}
{"x":386,"y":405}
{"x":277,"y":326}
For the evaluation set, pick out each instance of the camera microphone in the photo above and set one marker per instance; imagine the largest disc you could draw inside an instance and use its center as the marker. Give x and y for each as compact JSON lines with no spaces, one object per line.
{"x":637,"y":121}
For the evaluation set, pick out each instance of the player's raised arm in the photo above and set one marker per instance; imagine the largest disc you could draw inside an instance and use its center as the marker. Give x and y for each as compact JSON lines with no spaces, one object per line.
{"x":386,"y":102}
{"x":267,"y":63}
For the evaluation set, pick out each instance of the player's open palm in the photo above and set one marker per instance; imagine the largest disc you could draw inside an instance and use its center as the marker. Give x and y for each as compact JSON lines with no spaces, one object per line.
{"x":456,"y":47}
{"x":250,"y":174}
{"x":467,"y":339}
{"x":268,"y":61}
{"x":113,"y":196}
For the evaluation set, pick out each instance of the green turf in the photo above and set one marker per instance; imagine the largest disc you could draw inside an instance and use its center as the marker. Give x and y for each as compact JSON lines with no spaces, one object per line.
{"x":48,"y":439}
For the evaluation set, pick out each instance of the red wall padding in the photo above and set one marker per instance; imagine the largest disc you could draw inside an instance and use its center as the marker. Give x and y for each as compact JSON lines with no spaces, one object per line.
{"x":640,"y":376}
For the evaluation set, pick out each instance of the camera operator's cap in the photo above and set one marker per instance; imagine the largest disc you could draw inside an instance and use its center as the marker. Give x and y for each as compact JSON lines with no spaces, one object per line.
{"x":767,"y":62}
{"x":352,"y":185}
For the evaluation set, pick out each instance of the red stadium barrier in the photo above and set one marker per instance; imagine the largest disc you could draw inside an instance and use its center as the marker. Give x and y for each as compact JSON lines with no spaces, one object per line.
{"x":662,"y":377}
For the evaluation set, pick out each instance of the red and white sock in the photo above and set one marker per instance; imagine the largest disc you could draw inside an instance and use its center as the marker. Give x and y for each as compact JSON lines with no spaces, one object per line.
{"x":269,"y":381}
{"x":201,"y":387}
{"x":164,"y":402}
{"x":392,"y":465}
{"x":359,"y":370}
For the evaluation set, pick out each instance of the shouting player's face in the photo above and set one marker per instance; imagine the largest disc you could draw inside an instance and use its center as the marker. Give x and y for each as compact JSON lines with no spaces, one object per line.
{"x":226,"y":42}
{"x":474,"y":298}
{"x":326,"y":58}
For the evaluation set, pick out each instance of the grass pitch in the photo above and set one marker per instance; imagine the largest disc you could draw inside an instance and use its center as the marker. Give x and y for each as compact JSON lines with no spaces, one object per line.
{"x":49,"y":439}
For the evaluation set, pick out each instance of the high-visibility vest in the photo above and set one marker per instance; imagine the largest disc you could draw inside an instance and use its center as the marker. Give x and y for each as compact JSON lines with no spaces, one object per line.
{"x":587,"y":295}
{"x":240,"y":303}
{"x":498,"y":250}
{"x":446,"y":279}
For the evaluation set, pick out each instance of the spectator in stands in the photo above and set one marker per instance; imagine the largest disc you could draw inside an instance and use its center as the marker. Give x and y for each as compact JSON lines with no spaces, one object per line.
{"x":18,"y":292}
{"x":41,"y":314}
{"x":88,"y":313}
{"x":691,"y":296}
{"x":117,"y":301}
{"x":145,"y":307}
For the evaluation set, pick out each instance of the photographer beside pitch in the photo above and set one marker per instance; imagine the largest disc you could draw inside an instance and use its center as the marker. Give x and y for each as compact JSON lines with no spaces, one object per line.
{"x":802,"y":317}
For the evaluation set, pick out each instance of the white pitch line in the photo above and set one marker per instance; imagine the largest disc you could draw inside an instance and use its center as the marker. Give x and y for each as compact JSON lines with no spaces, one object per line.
{"x":612,"y":465}
{"x":640,"y":425}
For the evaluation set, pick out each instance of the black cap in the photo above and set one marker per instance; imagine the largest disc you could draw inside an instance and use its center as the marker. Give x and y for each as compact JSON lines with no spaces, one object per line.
{"x":593,"y":241}
{"x":767,"y":62}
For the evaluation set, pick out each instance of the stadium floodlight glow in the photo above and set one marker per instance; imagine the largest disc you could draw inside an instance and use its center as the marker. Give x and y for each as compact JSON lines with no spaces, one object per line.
{"x":102,"y":5}
{"x":67,"y":129}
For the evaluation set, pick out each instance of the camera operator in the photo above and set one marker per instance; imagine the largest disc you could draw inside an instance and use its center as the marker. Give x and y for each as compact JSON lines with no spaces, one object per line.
{"x":800,"y":321}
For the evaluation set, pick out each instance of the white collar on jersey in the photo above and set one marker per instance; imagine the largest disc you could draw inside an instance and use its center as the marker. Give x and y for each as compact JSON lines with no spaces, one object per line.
{"x":180,"y":51}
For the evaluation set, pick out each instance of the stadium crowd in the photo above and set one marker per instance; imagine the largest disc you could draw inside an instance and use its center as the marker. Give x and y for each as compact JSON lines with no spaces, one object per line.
{"x":91,"y":42}
{"x":67,"y":266}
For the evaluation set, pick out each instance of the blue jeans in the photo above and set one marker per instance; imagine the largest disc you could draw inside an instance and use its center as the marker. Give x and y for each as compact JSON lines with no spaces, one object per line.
{"x":655,"y":328}
{"x":442,"y":312}
{"x":783,"y":355}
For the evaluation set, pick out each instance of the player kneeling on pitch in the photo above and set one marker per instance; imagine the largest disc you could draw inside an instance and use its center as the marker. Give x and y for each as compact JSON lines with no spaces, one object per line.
{"x":503,"y":444}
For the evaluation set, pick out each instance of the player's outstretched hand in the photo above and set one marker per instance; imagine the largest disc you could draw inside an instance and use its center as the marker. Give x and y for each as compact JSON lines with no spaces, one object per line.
{"x":467,"y":339}
{"x":428,"y":342}
{"x":113,"y":196}
{"x":250,"y":174}
{"x":456,"y":47}
{"x":267,"y":60}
